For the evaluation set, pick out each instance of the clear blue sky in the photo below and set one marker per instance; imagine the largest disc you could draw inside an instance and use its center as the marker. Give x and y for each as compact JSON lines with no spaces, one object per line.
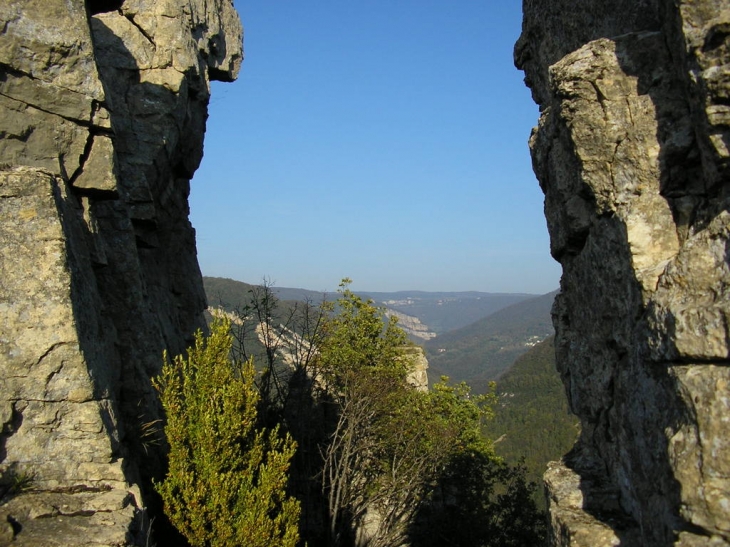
{"x":382,"y":140}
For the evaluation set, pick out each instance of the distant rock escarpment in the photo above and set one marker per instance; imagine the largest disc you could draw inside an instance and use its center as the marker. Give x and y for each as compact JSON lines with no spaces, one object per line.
{"x":103,"y":106}
{"x":632,"y":152}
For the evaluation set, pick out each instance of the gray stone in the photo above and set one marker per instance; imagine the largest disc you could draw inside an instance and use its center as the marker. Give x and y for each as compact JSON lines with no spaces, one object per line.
{"x":101,"y":128}
{"x":631,"y":151}
{"x":82,"y":519}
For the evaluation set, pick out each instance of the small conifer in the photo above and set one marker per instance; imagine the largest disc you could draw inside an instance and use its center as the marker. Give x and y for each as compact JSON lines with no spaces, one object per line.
{"x":227,"y":476}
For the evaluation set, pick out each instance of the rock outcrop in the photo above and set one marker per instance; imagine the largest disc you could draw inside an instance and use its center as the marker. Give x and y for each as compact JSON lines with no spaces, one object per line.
{"x":411,"y":325}
{"x":632,"y":152}
{"x":418,"y":376}
{"x":103,"y":106}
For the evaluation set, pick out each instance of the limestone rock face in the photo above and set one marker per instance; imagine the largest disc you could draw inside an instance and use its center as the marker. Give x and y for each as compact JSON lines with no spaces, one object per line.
{"x":411,"y":325}
{"x":632,"y":153}
{"x":418,"y":376}
{"x":102,"y":114}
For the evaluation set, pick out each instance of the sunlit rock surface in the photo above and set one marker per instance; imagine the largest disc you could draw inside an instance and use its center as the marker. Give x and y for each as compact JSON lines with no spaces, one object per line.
{"x":631,"y":150}
{"x":102,"y":115}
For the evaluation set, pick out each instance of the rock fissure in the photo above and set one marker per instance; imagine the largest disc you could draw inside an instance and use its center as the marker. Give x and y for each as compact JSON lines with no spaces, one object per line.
{"x":60,"y":512}
{"x":7,"y":69}
{"x":601,"y":98}
{"x":49,"y":351}
{"x":139,"y":27}
{"x":104,"y":6}
{"x":79,"y":121}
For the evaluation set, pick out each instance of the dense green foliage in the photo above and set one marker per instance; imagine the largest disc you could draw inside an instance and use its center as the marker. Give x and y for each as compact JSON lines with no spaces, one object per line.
{"x":481,"y":502}
{"x":378,"y":463}
{"x":482,"y":351}
{"x":412,"y":465}
{"x":476,"y":500}
{"x":532,"y":420}
{"x":226,"y":483}
{"x":390,"y":439}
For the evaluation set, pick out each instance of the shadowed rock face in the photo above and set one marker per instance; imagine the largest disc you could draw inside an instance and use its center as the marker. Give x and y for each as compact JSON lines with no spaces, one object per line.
{"x":632,"y":152}
{"x":102,"y":114}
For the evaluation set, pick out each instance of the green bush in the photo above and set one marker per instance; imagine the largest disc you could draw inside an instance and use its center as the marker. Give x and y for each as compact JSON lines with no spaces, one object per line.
{"x":227,"y":476}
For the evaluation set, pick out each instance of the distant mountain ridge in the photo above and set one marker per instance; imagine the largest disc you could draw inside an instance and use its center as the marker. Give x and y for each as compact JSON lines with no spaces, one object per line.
{"x":231,"y":294}
{"x":437,"y":312}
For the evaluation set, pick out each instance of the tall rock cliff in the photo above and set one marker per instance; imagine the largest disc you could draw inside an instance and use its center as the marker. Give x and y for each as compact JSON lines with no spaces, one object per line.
{"x":632,"y":152}
{"x":103,"y":106}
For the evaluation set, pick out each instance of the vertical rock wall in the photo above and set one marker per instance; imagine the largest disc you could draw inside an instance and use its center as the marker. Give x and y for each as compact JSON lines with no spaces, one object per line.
{"x":103,"y":106}
{"x":632,"y":151}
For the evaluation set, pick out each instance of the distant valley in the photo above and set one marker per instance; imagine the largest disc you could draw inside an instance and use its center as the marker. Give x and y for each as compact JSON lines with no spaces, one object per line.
{"x":445,"y":311}
{"x":481,"y":351}
{"x":469,"y":336}
{"x":477,"y":338}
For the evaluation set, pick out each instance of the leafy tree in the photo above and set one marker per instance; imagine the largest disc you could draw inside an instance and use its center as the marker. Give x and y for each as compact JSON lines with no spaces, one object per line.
{"x":282,"y":337}
{"x":480,"y":501}
{"x":390,"y":441}
{"x":515,"y":520}
{"x":227,"y":477}
{"x":362,"y":369}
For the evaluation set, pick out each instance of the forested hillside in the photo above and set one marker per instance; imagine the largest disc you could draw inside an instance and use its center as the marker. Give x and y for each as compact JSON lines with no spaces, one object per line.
{"x":480,"y":352}
{"x":230,"y":294}
{"x":532,"y":418}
